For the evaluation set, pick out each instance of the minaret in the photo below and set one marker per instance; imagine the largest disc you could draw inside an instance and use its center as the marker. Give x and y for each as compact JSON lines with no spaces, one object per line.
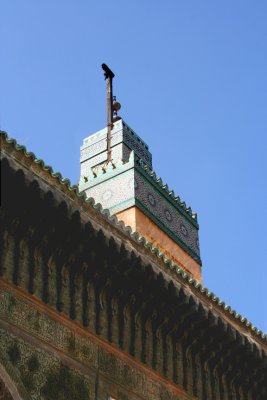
{"x":116,"y":170}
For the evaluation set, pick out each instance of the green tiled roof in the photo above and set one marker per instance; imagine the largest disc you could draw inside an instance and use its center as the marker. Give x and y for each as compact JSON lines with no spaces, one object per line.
{"x":136,"y":237}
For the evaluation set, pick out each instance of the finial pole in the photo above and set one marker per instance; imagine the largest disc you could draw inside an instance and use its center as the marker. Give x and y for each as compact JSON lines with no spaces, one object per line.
{"x":109,"y":75}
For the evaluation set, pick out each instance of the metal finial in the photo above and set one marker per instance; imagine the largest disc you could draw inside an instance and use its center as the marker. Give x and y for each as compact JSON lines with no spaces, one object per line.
{"x":116,"y":107}
{"x":109,"y":75}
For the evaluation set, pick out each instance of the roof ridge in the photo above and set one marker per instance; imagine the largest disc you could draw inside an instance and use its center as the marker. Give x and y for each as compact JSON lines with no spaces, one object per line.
{"x":139,"y":239}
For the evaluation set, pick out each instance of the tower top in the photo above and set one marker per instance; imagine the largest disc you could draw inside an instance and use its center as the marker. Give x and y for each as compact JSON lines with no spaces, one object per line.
{"x":116,"y":170}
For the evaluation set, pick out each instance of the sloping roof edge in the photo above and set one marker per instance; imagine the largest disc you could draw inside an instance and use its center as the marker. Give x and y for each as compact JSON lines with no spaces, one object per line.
{"x":136,"y":237}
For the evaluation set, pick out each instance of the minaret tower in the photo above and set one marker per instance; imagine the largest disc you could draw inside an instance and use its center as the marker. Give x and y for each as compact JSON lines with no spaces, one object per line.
{"x":116,"y":170}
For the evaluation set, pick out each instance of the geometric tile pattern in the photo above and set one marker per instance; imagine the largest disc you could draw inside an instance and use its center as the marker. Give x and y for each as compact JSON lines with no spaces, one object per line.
{"x":123,"y":141}
{"x":132,"y":182}
{"x":178,"y":227}
{"x":127,"y":187}
{"x":114,"y":194}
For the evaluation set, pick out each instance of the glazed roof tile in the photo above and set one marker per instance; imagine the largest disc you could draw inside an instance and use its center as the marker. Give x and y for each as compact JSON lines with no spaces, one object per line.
{"x":136,"y":237}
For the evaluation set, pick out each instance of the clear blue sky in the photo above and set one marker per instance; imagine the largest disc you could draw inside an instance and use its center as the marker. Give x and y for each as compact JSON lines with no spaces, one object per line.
{"x":192,"y":80}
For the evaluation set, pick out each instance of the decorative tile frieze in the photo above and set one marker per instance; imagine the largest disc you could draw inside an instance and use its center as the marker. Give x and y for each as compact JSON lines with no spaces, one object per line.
{"x":123,"y":141}
{"x":86,"y":352}
{"x":121,"y":188}
{"x":164,"y":213}
{"x":113,"y":192}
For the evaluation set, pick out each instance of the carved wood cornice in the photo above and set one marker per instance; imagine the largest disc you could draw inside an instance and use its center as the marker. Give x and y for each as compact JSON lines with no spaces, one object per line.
{"x":75,"y":249}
